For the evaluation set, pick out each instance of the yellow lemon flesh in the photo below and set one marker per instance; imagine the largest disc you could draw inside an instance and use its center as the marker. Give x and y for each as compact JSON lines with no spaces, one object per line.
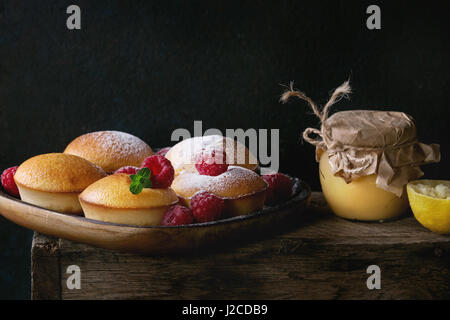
{"x":430,"y":203}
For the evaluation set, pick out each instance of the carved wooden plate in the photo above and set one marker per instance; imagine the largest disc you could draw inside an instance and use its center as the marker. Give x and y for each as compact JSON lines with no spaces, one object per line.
{"x":158,"y":239}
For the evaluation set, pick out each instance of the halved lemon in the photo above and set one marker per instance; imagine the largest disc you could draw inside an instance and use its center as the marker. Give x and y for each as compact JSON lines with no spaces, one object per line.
{"x":430,"y":203}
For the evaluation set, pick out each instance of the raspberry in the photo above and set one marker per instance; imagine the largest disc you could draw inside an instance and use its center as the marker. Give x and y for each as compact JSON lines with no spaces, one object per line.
{"x":8,"y":182}
{"x":211,"y":162}
{"x":207,"y":207}
{"x":178,"y":215}
{"x":163,"y":151}
{"x":279,"y":187}
{"x":127,"y":170}
{"x":162,"y":171}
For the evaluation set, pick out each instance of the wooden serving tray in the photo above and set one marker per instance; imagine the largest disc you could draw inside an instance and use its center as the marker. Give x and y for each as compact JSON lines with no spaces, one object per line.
{"x":157,"y":239}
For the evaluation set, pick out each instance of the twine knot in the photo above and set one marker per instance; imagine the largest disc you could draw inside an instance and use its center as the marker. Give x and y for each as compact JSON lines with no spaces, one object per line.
{"x":343,"y":91}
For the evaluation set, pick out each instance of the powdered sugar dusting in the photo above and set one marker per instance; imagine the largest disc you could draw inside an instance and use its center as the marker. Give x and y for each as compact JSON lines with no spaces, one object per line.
{"x":121,"y":143}
{"x":242,"y":181}
{"x":192,"y":147}
{"x":184,"y":153}
{"x":233,"y":177}
{"x":110,"y":149}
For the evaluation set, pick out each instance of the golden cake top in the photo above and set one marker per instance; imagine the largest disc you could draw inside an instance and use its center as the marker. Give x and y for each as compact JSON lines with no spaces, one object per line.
{"x":114,"y":192}
{"x":110,"y":150}
{"x":57,"y":172}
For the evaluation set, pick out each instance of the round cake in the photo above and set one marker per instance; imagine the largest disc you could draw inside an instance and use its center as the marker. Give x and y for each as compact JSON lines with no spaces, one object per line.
{"x":110,"y":150}
{"x":110,"y":200}
{"x":182,"y":155}
{"x":243,"y":190}
{"x":55,"y":180}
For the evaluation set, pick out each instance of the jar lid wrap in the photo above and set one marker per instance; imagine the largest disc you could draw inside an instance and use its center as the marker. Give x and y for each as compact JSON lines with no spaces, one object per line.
{"x":364,"y":142}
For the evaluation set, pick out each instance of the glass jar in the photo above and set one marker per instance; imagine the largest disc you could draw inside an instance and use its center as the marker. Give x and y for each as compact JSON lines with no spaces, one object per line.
{"x":366,"y":158}
{"x":360,"y":199}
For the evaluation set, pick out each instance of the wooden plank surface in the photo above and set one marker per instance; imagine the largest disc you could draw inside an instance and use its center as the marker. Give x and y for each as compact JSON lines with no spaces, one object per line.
{"x":325,"y":257}
{"x":45,"y":268}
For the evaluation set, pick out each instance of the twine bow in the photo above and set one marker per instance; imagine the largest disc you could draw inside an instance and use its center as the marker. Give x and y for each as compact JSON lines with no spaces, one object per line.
{"x":340,"y":92}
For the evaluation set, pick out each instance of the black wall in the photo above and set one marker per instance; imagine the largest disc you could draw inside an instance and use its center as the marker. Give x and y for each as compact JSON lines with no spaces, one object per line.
{"x":149,"y":67}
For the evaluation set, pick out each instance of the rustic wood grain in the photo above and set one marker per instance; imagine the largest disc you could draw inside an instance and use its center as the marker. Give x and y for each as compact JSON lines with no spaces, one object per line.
{"x":324,"y":258}
{"x":45,"y":268}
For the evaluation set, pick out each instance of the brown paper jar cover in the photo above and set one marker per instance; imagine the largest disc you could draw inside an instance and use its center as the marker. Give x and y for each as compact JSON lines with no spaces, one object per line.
{"x":365,"y":142}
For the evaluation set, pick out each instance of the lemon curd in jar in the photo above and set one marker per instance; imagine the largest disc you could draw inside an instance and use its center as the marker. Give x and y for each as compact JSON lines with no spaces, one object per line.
{"x":366,"y":157}
{"x":360,"y":199}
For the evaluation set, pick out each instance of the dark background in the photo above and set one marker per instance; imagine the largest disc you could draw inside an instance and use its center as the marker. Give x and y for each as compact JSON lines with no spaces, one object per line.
{"x":149,"y":67}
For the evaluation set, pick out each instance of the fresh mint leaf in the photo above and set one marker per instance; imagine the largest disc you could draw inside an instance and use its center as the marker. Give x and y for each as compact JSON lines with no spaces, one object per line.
{"x":140,"y":180}
{"x":146,"y":183}
{"x":136,"y":187}
{"x":145,"y":172}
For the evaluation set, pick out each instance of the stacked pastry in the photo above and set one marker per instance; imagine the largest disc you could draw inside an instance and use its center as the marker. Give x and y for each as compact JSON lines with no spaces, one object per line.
{"x":115,"y":177}
{"x":221,"y":167}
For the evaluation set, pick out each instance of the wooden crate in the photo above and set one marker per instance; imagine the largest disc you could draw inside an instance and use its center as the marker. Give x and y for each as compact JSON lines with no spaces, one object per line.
{"x":325,"y":257}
